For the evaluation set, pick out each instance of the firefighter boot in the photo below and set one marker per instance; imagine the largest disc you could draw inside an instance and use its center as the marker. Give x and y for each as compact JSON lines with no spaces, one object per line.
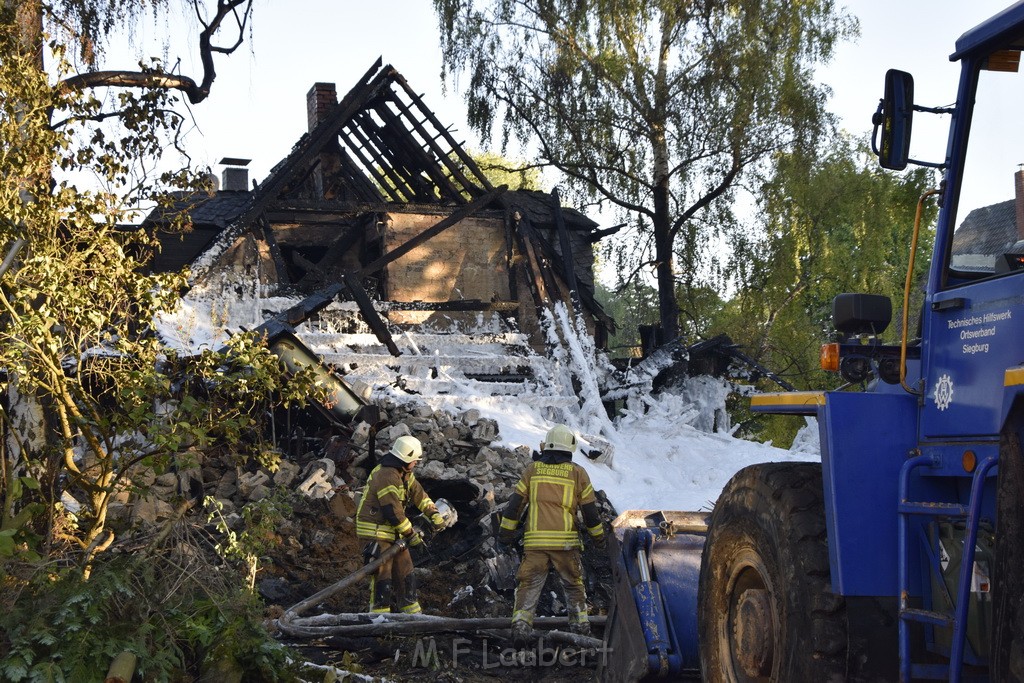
{"x":380,"y":596}
{"x":408,"y":602}
{"x":521,"y":633}
{"x":580,"y":627}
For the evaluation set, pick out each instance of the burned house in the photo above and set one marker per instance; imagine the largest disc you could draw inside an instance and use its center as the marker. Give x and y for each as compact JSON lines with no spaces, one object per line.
{"x":378,"y":204}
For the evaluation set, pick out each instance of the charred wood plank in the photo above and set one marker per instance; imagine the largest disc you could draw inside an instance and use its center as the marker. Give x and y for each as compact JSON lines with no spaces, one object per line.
{"x":275,"y":250}
{"x":456,"y":146}
{"x":419,"y":156}
{"x":459,"y":214}
{"x":511,"y":262}
{"x":568,"y":265}
{"x":377,"y":164}
{"x":459,"y":305}
{"x":370,"y":315}
{"x":431,"y":142}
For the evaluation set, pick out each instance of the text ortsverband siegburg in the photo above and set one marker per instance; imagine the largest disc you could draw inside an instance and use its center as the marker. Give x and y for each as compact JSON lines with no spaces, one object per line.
{"x":975,"y":328}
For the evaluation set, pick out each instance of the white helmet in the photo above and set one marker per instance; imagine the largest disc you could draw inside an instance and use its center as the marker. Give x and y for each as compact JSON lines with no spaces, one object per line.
{"x":407,"y":449}
{"x":559,"y":438}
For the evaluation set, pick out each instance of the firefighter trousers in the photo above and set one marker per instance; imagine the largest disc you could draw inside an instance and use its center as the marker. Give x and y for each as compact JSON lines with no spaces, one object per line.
{"x":393,"y":585}
{"x":533,"y":572}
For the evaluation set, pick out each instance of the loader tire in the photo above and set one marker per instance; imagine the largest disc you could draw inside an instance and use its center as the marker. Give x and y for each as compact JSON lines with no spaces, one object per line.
{"x":765,"y":608}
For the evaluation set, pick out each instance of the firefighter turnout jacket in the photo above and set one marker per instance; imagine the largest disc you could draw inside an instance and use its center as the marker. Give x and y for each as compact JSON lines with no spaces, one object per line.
{"x":551,"y":490}
{"x":381,"y":512}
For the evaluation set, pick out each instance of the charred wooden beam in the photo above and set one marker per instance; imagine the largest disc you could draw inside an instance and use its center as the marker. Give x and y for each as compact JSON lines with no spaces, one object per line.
{"x":456,"y":146}
{"x":511,"y":262}
{"x":459,"y":305}
{"x":538,"y":287}
{"x":459,"y":214}
{"x":568,"y":265}
{"x":369,"y":313}
{"x":327,"y":267}
{"x":356,"y":180}
{"x":431,"y":141}
{"x":598,"y":235}
{"x":393,"y":156}
{"x":378,"y":165}
{"x":418,"y":155}
{"x":275,"y":250}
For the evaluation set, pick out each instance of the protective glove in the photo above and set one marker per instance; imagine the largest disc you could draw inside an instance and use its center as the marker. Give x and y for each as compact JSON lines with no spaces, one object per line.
{"x":437,"y":520}
{"x":414,"y":539}
{"x":601,"y":542}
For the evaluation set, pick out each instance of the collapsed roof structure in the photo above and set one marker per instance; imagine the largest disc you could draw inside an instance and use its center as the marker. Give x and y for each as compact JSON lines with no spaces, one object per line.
{"x":379,"y":203}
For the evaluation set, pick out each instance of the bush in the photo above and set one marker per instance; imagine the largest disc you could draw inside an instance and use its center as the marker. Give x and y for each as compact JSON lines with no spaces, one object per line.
{"x":181,"y":615}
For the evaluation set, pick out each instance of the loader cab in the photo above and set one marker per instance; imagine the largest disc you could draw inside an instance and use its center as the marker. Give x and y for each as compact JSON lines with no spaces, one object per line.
{"x":974,"y":301}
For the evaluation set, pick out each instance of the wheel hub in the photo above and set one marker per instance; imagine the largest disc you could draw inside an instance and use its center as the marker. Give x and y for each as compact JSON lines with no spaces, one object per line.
{"x":753,"y":641}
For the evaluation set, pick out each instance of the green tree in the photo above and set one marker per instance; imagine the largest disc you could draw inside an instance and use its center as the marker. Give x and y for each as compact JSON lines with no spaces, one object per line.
{"x":829,"y":223}
{"x":77,"y":309}
{"x":658,"y":108}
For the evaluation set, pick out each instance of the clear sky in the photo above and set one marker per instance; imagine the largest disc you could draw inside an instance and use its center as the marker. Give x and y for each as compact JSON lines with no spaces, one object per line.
{"x":257,"y":108}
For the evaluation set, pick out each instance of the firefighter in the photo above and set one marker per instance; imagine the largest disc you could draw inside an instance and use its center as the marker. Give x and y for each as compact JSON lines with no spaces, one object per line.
{"x":554,"y":488}
{"x":381,"y":520}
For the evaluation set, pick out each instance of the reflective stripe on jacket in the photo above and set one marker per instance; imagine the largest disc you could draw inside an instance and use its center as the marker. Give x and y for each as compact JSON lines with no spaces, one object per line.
{"x":381,"y":511}
{"x":554,"y":489}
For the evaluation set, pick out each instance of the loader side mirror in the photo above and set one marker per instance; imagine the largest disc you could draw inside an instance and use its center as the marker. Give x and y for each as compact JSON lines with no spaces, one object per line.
{"x":854,"y":314}
{"x":895,"y":118}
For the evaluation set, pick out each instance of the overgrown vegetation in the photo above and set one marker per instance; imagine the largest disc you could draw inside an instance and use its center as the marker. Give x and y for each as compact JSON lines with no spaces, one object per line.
{"x":179,"y":614}
{"x":93,"y":404}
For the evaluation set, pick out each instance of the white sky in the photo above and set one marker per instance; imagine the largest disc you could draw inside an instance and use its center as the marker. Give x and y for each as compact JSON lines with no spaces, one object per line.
{"x":257,"y":108}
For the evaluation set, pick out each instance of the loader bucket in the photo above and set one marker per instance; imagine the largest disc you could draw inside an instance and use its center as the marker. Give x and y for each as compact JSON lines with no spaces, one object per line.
{"x":652,"y":623}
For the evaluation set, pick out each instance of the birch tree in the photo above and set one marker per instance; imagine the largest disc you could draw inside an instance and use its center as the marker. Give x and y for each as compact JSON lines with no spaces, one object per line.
{"x":659,"y":108}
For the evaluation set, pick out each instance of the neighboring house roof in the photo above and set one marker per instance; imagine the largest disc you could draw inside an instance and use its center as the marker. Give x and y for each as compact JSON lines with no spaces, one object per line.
{"x":209,"y":215}
{"x":987,"y":230}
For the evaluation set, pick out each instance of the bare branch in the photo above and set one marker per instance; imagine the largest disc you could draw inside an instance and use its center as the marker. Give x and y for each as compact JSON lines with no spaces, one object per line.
{"x":196,"y":92}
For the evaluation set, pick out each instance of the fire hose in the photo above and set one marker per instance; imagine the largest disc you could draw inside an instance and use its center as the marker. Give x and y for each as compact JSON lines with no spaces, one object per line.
{"x":367,"y":624}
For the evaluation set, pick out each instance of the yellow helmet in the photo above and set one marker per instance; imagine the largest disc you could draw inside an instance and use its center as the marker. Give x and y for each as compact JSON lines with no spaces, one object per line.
{"x":559,"y":438}
{"x":407,"y":449}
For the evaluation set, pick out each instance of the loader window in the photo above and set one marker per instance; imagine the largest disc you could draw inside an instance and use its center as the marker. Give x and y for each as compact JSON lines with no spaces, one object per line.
{"x":991,"y":209}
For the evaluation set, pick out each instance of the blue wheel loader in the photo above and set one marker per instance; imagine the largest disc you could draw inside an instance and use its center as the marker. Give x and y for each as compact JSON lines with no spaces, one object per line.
{"x":900,"y":557}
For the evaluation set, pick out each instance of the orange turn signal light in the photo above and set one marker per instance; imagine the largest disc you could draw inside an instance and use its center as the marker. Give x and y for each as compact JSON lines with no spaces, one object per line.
{"x":969,"y":461}
{"x":830,"y":357}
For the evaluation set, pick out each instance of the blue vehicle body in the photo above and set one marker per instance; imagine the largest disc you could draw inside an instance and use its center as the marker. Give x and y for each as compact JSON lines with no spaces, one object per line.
{"x":897,"y":463}
{"x":909,"y":473}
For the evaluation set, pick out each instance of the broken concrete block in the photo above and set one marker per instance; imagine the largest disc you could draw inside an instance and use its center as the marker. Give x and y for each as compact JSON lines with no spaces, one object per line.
{"x":247,"y":481}
{"x":287,"y":472}
{"x":389,"y":435}
{"x":317,"y":485}
{"x":491,"y":457}
{"x":485,"y":430}
{"x":142,"y":476}
{"x":422,"y":425}
{"x":226,"y":487}
{"x":470,"y":417}
{"x":259,"y":492}
{"x":479,"y":471}
{"x":343,"y":506}
{"x":423,"y":411}
{"x":151,"y":509}
{"x":325,"y":465}
{"x":432,"y":470}
{"x":361,"y":434}
{"x":167,"y":479}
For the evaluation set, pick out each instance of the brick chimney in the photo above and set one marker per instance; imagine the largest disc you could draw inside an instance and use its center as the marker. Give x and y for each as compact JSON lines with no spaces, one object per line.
{"x":321,"y":100}
{"x":1018,"y":184}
